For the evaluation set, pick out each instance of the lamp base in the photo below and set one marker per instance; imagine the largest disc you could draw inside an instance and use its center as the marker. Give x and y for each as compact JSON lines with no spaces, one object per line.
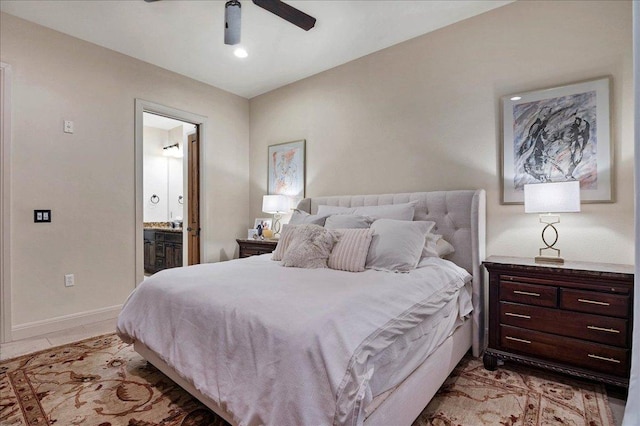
{"x":549,"y":259}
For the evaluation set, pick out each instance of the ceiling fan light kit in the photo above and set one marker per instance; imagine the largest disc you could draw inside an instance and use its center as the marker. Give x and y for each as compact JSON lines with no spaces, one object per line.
{"x":232,"y":23}
{"x":232,"y":17}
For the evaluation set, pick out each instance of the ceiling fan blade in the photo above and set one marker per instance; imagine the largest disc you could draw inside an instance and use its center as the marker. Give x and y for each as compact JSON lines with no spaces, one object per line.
{"x":288,"y":13}
{"x":151,"y":1}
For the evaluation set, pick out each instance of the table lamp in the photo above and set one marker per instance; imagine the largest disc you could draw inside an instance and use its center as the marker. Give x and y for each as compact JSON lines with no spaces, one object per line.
{"x":275,"y":205}
{"x":550,"y":198}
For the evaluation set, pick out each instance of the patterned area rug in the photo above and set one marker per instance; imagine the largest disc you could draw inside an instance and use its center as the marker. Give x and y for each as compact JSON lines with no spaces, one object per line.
{"x":103,"y":382}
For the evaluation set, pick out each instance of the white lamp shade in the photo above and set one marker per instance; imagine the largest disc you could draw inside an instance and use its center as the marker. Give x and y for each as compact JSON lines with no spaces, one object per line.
{"x":555,"y":197}
{"x":275,"y":204}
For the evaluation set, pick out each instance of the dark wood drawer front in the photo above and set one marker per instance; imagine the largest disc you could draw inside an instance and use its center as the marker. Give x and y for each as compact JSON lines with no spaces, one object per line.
{"x":171,"y":237}
{"x":603,"y":358}
{"x":607,"y":330}
{"x":250,"y":248}
{"x":595,"y":303}
{"x":252,"y":251}
{"x":530,"y":294}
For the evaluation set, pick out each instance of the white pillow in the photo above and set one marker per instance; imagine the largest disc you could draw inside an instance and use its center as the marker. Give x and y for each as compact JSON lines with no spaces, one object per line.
{"x":310,"y":247}
{"x":388,"y":211}
{"x":350,"y":252}
{"x":347,"y":221}
{"x":397,"y":244}
{"x":436,"y":246}
{"x":300,"y":217}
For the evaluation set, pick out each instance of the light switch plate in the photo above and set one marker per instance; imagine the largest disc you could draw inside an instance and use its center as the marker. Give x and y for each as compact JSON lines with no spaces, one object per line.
{"x":68,"y":126}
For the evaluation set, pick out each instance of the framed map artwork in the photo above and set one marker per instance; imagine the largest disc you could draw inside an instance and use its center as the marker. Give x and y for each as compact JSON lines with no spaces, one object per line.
{"x":286,"y":170}
{"x":558,"y":135}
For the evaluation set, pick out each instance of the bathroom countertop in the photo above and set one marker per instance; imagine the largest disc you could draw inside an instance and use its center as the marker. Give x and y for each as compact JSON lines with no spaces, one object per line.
{"x":160,"y":228}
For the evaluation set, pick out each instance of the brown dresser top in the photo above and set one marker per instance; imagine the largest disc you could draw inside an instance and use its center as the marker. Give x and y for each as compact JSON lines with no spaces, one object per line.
{"x":568,"y":265}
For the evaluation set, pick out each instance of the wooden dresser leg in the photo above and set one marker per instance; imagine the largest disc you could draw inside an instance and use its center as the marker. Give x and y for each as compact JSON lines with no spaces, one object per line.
{"x":490,"y":361}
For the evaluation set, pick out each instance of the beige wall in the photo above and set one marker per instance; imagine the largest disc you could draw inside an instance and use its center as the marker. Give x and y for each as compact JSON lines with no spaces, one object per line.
{"x":424,"y":115}
{"x":87,"y":178}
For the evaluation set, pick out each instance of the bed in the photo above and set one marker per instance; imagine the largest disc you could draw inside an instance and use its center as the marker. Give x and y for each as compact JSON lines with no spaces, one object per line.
{"x":317,"y":362}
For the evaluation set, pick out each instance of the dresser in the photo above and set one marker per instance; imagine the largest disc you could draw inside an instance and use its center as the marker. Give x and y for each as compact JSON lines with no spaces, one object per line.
{"x":574,"y":318}
{"x":255,"y":247}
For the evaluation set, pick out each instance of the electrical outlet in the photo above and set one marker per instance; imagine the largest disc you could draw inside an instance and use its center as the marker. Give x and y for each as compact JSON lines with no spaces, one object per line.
{"x":40,"y":216}
{"x":69,"y":280}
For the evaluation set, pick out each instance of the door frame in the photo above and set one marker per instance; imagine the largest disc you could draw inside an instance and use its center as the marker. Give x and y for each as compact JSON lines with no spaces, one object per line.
{"x":5,"y":203}
{"x":142,"y":106}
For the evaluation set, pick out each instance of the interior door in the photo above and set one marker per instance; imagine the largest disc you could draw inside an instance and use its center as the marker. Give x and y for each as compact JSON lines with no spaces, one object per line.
{"x":193,"y":225}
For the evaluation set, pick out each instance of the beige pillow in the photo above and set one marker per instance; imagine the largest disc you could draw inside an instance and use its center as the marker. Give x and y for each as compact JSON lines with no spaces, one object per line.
{"x":283,"y":243}
{"x":310,"y":247}
{"x":350,"y":252}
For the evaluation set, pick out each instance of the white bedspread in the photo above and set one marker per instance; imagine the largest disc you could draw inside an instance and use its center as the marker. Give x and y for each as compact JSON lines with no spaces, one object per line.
{"x":287,"y":346}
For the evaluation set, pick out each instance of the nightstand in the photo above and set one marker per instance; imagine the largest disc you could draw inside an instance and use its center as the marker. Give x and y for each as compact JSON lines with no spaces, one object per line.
{"x":574,"y":318}
{"x":256,"y":247}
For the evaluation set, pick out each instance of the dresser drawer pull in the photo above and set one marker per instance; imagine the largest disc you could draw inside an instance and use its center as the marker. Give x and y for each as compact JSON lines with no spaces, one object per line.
{"x":608,"y":330}
{"x":603,"y":358}
{"x":526,"y":293}
{"x":519,"y":340}
{"x":593,"y":302}
{"x":517,"y":315}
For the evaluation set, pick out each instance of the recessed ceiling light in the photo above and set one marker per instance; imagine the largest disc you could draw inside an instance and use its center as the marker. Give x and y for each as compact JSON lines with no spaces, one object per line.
{"x":240,"y":52}
{"x":516,"y":98}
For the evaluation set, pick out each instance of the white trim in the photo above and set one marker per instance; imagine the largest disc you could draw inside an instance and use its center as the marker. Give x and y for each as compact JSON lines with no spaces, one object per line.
{"x":65,"y":322}
{"x":632,"y":411}
{"x":142,"y":106}
{"x":5,"y":203}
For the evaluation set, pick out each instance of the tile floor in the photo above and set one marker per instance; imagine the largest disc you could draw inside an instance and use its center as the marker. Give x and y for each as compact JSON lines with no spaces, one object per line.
{"x":21,"y":347}
{"x":38,"y":343}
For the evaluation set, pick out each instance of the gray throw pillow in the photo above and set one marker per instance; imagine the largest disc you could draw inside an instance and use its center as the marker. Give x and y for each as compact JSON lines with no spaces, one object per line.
{"x":300,"y":217}
{"x":348,"y":221}
{"x":310,"y":247}
{"x":397,"y":244}
{"x":404,"y":211}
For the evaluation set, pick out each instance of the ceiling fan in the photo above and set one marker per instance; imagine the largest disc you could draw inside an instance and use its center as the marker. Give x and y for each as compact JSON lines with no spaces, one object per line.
{"x":277,"y":7}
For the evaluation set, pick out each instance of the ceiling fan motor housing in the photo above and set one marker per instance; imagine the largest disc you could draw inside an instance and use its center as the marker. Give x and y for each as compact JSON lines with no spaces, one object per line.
{"x":232,"y":23}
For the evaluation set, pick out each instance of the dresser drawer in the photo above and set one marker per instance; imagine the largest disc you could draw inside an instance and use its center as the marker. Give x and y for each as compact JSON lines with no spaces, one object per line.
{"x":595,"y":303}
{"x":530,"y":294}
{"x":602,"y":358}
{"x":596,"y":328}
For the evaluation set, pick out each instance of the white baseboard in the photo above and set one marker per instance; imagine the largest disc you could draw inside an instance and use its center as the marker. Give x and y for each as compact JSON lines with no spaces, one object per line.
{"x":38,"y":328}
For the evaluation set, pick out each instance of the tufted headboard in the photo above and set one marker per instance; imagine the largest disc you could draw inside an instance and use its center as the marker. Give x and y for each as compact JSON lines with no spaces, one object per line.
{"x":460,"y":217}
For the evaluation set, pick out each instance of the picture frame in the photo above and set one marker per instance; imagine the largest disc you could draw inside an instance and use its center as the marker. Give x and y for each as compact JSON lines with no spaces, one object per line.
{"x":556,"y":135}
{"x":286,"y":170}
{"x":263,"y":221}
{"x":252,"y":234}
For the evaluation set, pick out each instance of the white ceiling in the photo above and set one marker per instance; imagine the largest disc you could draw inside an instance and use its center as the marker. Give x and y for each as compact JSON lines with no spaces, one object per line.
{"x":187,"y":36}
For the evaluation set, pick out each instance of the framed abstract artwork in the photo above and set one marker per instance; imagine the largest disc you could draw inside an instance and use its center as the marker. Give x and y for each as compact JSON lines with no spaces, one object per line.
{"x":287,"y":170}
{"x":558,"y":135}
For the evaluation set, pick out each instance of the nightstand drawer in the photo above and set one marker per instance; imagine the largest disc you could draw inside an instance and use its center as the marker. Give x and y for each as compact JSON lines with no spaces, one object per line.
{"x":255,"y":247}
{"x":596,"y":328}
{"x":603,"y":358}
{"x":253,"y":251}
{"x":530,"y":294}
{"x":595,"y":303}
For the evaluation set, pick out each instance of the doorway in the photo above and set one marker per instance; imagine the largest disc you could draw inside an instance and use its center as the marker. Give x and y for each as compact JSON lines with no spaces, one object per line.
{"x":168,"y":188}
